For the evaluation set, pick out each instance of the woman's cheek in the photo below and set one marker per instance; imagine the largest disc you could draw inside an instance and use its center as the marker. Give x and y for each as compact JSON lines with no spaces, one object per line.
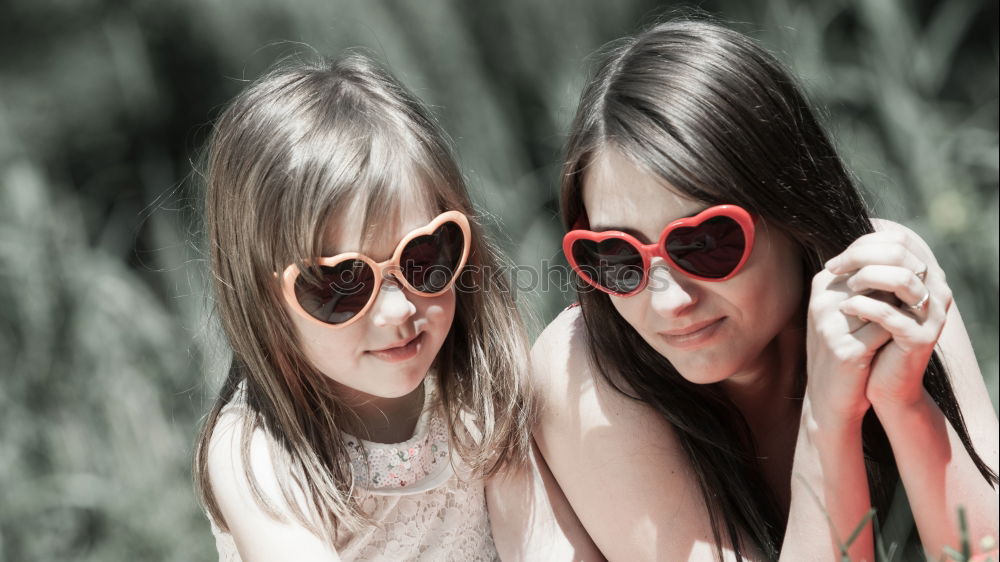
{"x":631,"y":309}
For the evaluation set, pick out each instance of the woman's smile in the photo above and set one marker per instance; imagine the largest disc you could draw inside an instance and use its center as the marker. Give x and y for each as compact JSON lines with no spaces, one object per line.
{"x":693,"y":335}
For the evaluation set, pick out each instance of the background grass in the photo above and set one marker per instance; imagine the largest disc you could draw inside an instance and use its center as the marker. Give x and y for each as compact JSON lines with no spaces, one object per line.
{"x":107,"y":356}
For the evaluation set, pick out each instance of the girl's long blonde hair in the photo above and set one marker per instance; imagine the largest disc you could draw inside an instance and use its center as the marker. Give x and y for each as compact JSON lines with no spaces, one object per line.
{"x":286,"y":158}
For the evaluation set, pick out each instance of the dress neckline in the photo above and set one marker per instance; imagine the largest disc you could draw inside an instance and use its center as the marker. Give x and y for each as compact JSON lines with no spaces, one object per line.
{"x":415,"y":465}
{"x":418,"y":463}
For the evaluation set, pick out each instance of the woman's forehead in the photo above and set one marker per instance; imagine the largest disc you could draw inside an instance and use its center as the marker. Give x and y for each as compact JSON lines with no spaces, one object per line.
{"x":618,"y":193}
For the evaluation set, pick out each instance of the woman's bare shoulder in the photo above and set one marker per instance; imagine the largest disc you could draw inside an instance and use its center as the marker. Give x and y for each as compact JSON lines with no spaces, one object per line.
{"x":564,"y":374}
{"x":561,"y":353}
{"x":618,"y":461}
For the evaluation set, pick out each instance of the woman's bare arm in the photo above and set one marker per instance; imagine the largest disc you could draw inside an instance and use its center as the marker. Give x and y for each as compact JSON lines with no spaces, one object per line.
{"x":830,"y":495}
{"x":936,"y":470}
{"x":531,"y":518}
{"x":616,"y":459}
{"x":629,"y":481}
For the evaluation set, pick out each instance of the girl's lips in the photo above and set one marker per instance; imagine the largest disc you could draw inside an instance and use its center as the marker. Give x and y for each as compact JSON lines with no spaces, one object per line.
{"x":401,"y":352}
{"x":694,"y":337}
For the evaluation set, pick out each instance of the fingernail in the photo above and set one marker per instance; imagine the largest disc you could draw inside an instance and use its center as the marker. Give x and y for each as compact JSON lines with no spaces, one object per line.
{"x":832,"y":264}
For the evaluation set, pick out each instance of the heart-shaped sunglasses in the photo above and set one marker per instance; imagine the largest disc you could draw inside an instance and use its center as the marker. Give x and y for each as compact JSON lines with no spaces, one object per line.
{"x":710,"y":246}
{"x":426,"y":262}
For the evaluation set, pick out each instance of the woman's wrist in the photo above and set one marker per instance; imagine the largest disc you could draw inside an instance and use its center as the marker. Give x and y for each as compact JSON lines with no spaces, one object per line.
{"x":826,"y":426}
{"x":829,"y":485}
{"x":890,"y":410}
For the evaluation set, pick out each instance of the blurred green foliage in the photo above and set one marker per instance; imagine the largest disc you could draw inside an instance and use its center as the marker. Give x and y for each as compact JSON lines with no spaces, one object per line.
{"x":109,"y":357}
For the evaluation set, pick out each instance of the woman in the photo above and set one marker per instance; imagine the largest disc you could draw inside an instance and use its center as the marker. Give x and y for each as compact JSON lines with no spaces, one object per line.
{"x":780,"y":347}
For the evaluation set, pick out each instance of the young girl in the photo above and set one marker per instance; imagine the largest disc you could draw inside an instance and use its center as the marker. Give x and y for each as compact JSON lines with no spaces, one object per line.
{"x":376,"y":394}
{"x":780,"y":351}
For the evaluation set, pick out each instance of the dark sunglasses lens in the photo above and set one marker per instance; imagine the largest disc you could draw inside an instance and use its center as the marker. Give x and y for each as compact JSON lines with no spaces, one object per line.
{"x":340,"y":292}
{"x":431,"y":261}
{"x":612,"y":264}
{"x":712,"y":249}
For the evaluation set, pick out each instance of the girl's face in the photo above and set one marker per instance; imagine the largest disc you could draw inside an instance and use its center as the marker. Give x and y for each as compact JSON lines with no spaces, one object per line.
{"x":388,"y":351}
{"x":709,"y":331}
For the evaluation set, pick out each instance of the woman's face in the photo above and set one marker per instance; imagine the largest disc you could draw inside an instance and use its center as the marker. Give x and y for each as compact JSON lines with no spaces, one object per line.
{"x":709,"y":331}
{"x":388,"y":351}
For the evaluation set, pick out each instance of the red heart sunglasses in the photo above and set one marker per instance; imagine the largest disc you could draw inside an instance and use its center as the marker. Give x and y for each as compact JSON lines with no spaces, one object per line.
{"x":426,"y":262}
{"x":710,"y":246}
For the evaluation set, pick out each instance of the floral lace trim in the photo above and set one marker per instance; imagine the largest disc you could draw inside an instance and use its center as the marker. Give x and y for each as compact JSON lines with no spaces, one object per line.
{"x":394,"y":465}
{"x":399,"y":465}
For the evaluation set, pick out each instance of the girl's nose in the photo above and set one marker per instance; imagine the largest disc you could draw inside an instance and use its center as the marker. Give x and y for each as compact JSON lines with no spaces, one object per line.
{"x":393,"y":306}
{"x":668,"y":296}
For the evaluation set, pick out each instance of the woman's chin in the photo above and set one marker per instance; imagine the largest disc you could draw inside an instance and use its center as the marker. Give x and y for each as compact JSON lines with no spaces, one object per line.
{"x":697,"y":376}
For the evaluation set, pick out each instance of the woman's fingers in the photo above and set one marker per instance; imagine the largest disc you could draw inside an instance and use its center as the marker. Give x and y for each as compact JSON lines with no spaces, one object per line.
{"x":907,"y":330}
{"x":940,"y":292}
{"x":926,"y":297}
{"x":905,"y":284}
{"x":871,"y":336}
{"x":885,"y":266}
{"x":876,"y":249}
{"x":849,"y":334}
{"x":892,"y":299}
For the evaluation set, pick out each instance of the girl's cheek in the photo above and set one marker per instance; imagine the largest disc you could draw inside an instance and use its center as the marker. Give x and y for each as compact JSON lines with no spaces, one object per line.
{"x":436,"y":314}
{"x":441,"y":310}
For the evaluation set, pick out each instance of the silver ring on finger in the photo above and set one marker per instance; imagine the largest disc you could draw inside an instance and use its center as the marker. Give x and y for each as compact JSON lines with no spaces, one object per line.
{"x":919,"y":306}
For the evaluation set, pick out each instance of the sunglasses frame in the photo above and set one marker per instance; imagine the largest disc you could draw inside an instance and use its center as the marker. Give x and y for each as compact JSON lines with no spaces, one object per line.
{"x":389,"y":267}
{"x":658,"y":249}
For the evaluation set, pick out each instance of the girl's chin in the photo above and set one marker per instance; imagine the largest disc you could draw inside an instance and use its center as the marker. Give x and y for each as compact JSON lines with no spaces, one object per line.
{"x":389,"y":386}
{"x":402,"y":383}
{"x":409,"y":389}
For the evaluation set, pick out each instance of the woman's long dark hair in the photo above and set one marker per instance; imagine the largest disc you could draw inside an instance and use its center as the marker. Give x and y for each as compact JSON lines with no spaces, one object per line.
{"x":719,"y":119}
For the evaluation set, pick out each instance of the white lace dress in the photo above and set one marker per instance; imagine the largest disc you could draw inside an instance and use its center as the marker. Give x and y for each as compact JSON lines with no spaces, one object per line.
{"x":428,"y":510}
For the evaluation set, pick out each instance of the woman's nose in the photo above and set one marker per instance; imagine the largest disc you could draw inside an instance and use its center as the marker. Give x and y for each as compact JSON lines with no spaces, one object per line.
{"x":667,"y":296}
{"x":393,"y":306}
